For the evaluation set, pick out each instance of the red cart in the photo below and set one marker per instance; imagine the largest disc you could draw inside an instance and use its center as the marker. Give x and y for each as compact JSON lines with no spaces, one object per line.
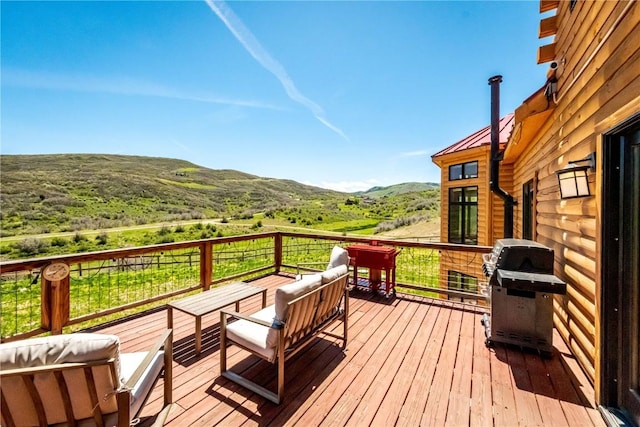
{"x":376,"y":259}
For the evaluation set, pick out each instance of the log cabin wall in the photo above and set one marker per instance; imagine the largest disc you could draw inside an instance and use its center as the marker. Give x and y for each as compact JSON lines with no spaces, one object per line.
{"x":598,"y":51}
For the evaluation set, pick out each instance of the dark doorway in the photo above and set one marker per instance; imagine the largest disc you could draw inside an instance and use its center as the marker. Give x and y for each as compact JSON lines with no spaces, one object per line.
{"x":620,"y":381}
{"x":527,"y":210}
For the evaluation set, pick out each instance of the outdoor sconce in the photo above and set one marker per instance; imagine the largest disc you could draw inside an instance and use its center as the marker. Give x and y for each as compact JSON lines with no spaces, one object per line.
{"x":573,"y":178}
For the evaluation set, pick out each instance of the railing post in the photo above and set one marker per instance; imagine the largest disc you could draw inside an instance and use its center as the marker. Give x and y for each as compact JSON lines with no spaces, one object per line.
{"x":206,"y":265}
{"x":277,"y":255}
{"x":55,"y":297}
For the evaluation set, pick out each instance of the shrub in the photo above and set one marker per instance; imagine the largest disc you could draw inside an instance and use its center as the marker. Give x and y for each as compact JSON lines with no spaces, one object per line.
{"x":31,"y":246}
{"x":179,"y":229}
{"x":77,"y":238}
{"x":164,"y":230}
{"x":59,"y":242}
{"x":102,"y":238}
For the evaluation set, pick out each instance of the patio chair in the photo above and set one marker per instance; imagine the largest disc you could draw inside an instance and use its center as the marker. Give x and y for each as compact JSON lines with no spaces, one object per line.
{"x":302,"y":310}
{"x":80,"y":379}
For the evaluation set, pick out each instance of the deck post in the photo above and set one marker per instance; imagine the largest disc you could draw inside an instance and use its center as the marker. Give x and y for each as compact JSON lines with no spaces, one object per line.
{"x":55,"y":304}
{"x":277,"y":247}
{"x":206,"y":264}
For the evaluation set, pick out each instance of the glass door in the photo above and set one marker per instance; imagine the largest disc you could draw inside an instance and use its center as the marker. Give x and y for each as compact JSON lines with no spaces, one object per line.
{"x":630,"y":375}
{"x":620,"y":320}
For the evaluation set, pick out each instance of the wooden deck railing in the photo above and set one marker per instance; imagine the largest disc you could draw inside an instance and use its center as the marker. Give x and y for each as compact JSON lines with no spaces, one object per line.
{"x":106,"y":285}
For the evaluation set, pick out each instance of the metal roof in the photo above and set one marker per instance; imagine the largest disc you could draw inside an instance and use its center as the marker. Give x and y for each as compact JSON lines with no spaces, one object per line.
{"x":481,"y":137}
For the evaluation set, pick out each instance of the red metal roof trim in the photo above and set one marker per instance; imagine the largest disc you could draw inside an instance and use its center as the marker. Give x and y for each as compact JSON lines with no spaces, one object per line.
{"x":481,"y":137}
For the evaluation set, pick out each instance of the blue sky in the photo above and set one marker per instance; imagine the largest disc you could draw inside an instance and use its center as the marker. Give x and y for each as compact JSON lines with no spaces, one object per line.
{"x":338,"y":94}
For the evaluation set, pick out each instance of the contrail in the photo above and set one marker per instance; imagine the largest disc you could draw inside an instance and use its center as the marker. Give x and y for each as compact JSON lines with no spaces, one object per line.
{"x":253,"y":46}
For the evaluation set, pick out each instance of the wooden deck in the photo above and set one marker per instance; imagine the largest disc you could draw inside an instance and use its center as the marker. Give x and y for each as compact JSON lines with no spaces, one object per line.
{"x":412,"y":361}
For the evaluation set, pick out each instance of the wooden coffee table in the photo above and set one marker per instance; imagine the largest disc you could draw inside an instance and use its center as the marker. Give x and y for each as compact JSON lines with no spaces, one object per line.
{"x":209,"y":301}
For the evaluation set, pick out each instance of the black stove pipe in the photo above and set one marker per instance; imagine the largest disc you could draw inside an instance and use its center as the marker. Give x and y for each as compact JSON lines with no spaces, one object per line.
{"x":497,"y":156}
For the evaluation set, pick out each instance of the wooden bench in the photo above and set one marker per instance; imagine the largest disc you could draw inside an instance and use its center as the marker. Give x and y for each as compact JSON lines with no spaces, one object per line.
{"x":209,"y":301}
{"x":302,"y":310}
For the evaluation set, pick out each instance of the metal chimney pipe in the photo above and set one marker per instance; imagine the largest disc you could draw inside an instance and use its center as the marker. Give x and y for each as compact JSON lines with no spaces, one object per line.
{"x":497,"y":156}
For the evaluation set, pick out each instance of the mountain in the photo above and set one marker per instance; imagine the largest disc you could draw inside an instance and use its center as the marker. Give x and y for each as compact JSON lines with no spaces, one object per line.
{"x":394,"y":190}
{"x":76,"y":191}
{"x":72,"y":192}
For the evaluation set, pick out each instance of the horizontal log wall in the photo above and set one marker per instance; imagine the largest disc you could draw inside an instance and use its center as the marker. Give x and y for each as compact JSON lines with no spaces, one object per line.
{"x":599,"y":87}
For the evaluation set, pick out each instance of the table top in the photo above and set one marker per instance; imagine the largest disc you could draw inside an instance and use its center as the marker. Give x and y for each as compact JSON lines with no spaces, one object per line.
{"x":376,"y":257}
{"x":216,"y":298}
{"x":371,"y":248}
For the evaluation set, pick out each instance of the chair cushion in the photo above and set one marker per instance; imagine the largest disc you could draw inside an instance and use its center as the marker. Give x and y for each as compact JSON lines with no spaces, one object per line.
{"x":287,"y":293}
{"x":257,"y":338}
{"x":339,"y":256}
{"x":140,"y":391}
{"x":333,"y":273}
{"x":57,"y":349}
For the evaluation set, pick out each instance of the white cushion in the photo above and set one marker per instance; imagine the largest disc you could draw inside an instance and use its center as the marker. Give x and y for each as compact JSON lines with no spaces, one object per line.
{"x":57,"y":349}
{"x":333,"y":273}
{"x":289,"y":292}
{"x":339,"y":256}
{"x":140,"y":391}
{"x":257,"y":338}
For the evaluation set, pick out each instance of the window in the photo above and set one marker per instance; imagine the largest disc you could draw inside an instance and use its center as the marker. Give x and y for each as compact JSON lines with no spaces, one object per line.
{"x":527,"y":210}
{"x":463,"y":215}
{"x":462,"y":282}
{"x":463,"y":171}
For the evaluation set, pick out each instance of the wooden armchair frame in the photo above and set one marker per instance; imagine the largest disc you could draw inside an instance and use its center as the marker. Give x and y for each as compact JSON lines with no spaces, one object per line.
{"x":122,"y":393}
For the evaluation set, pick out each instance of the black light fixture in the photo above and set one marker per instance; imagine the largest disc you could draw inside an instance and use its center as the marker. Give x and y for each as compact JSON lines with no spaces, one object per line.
{"x":573,"y":178}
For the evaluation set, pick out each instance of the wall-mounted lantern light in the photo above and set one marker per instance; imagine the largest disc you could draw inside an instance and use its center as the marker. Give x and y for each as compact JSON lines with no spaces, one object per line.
{"x":573,"y":178}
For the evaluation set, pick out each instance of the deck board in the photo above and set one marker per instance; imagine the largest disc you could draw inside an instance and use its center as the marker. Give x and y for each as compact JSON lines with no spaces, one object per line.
{"x":481,"y":411}
{"x":409,"y":361}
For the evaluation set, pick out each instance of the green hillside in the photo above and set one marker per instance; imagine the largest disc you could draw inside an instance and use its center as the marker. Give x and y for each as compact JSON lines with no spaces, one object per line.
{"x":64,"y":203}
{"x":45,"y":193}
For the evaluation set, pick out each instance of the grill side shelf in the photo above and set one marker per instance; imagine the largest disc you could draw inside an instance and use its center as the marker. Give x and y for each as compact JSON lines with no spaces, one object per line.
{"x":536,"y":282}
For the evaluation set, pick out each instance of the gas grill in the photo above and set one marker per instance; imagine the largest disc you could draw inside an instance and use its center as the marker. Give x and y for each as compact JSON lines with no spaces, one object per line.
{"x":521,"y":284}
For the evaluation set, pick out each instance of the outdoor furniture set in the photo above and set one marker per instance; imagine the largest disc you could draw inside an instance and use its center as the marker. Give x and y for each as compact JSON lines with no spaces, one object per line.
{"x":84,"y":379}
